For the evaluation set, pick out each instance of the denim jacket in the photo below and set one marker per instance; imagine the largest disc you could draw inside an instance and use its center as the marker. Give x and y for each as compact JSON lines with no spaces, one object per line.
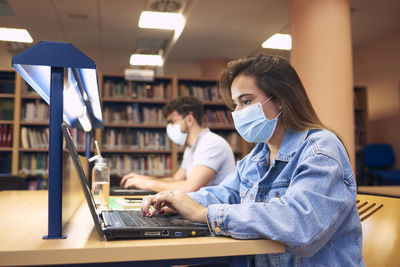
{"x":305,"y":199}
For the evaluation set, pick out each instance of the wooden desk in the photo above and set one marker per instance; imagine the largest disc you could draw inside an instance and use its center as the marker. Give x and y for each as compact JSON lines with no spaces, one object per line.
{"x":24,"y":222}
{"x":392,"y":190}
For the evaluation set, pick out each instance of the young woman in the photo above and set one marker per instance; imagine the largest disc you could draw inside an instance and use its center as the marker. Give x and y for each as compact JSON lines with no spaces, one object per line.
{"x":296,"y":186}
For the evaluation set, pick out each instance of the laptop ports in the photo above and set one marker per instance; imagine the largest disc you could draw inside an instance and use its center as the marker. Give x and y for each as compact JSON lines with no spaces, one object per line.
{"x":178,"y":233}
{"x":152,"y":233}
{"x":165,"y":233}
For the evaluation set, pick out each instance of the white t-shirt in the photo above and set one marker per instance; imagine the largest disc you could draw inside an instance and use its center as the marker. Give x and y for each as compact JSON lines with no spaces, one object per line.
{"x":210,"y":150}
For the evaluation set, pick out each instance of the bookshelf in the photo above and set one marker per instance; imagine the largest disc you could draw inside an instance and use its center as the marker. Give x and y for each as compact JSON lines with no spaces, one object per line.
{"x":216,"y":116}
{"x":360,"y":123}
{"x":24,"y":118}
{"x":134,"y":135}
{"x":7,"y":94}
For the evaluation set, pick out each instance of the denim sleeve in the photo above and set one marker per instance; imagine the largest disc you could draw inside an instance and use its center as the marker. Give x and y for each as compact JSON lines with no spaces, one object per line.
{"x":226,"y":192}
{"x":315,"y":204}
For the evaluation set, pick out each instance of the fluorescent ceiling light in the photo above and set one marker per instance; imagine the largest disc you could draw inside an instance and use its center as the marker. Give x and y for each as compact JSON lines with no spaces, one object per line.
{"x":15,"y":35}
{"x":278,"y":41}
{"x":146,"y":60}
{"x":161,"y":20}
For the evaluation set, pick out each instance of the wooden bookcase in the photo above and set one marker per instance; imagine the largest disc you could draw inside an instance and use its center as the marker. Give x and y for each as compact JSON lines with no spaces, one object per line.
{"x":7,"y":103}
{"x":120,"y":98}
{"x":24,"y":124}
{"x":360,"y":122}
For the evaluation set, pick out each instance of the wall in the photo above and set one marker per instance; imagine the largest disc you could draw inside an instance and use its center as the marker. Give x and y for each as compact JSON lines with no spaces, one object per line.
{"x":5,"y":57}
{"x":377,"y":66}
{"x":183,"y":69}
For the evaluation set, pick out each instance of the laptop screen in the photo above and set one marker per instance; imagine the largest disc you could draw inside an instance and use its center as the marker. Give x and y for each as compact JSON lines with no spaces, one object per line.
{"x":82,"y":176}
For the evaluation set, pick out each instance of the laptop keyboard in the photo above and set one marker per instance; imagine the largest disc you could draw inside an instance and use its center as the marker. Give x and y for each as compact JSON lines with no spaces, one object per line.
{"x":135,"y":218}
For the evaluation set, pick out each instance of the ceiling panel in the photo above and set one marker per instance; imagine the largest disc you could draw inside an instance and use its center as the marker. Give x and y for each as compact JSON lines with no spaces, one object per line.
{"x":229,"y":29}
{"x":107,"y":29}
{"x":40,"y":18}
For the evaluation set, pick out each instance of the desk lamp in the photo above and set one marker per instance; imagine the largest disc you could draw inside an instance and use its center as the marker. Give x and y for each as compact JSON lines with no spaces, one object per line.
{"x":66,"y":79}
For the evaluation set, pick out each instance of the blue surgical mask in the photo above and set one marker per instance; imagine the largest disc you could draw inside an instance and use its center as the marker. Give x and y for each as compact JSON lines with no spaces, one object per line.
{"x":175,"y":134}
{"x":252,"y":124}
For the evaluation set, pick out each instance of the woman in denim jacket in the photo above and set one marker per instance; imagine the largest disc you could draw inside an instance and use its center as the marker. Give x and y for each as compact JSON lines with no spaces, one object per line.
{"x":296,"y":186}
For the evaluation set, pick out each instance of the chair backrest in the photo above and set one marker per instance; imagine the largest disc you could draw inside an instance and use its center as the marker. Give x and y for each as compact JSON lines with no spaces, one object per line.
{"x":380,"y":217}
{"x":378,"y":156}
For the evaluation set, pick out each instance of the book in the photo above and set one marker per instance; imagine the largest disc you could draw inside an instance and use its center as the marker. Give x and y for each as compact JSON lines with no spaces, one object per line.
{"x":7,"y":109}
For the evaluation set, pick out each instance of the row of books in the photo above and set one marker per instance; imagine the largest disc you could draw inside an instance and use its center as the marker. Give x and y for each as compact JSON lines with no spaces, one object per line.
{"x":34,"y":164}
{"x":38,"y":137}
{"x":359,"y":120}
{"x":136,"y":90}
{"x":7,"y":83}
{"x":26,"y":89}
{"x":134,"y":139}
{"x":79,"y":137}
{"x":6,"y":133}
{"x":5,"y":163}
{"x":6,"y":109}
{"x":218,"y":117}
{"x":158,"y":165}
{"x":133,"y":113}
{"x":204,"y":93}
{"x":36,"y":183}
{"x":35,"y":110}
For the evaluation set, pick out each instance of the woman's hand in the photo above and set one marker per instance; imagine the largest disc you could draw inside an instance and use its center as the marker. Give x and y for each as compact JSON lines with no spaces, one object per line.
{"x":176,"y":200}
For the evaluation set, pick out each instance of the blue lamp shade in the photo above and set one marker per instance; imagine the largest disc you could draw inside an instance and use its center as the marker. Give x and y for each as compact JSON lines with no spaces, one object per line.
{"x":80,"y":94}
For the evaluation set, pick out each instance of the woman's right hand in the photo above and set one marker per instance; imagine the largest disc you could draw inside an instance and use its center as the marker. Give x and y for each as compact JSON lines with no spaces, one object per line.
{"x":176,"y":200}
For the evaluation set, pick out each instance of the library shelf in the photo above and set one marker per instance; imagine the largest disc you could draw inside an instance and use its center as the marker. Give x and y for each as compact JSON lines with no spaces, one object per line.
{"x":360,"y":128}
{"x":7,"y":95}
{"x":129,"y":124}
{"x":133,"y":100}
{"x":34,"y":123}
{"x":31,"y":96}
{"x":34,"y":150}
{"x":135,"y":151}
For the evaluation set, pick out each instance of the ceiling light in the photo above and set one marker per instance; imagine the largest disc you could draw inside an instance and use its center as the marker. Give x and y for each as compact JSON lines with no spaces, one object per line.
{"x":146,"y":60}
{"x":161,"y":20}
{"x":278,"y":41}
{"x":15,"y":35}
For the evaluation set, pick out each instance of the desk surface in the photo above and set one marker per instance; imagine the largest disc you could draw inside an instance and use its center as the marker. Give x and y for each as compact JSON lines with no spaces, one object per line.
{"x":24,"y":222}
{"x":391,"y":190}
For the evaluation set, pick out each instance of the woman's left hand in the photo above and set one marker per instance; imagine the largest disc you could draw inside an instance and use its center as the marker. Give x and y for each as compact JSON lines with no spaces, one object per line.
{"x":177,"y":200}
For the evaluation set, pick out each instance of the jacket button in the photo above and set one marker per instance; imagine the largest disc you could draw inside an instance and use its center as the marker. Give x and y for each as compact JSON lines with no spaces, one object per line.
{"x":217,"y":229}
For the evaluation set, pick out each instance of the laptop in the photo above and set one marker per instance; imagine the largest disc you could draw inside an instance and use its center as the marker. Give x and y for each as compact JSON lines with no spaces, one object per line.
{"x":130,"y":224}
{"x":120,"y":191}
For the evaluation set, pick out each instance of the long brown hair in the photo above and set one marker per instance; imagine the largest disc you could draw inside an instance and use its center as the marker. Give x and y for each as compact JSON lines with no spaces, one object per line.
{"x":277,"y":78}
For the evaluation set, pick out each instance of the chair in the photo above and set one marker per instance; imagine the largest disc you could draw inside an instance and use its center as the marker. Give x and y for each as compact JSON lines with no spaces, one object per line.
{"x":380,"y":220}
{"x":379,"y":159}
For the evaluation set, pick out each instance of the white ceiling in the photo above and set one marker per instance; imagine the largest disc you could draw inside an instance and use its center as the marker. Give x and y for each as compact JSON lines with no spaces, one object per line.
{"x":106,"y":30}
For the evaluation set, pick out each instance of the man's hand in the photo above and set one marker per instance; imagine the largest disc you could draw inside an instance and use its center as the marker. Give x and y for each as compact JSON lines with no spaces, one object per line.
{"x":136,"y":180}
{"x":177,"y":200}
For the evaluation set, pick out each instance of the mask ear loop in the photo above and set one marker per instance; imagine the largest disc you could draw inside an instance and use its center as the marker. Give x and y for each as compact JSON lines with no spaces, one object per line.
{"x":187,"y":127}
{"x":278,"y":114}
{"x":267,"y":100}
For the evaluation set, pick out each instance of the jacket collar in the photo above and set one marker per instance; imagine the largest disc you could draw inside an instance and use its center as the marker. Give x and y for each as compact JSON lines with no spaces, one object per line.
{"x":290,"y":144}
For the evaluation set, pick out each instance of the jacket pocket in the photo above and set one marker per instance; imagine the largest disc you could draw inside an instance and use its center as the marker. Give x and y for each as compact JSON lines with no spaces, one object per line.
{"x":244,"y":188}
{"x":278,"y":189}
